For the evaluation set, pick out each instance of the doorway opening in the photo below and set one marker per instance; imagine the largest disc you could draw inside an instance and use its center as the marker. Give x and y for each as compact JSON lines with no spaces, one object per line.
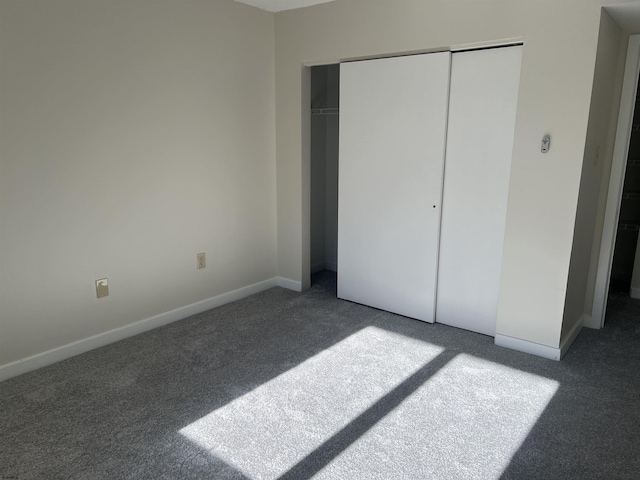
{"x":625,"y":274}
{"x":624,"y":285}
{"x":325,"y":103}
{"x":615,"y":271}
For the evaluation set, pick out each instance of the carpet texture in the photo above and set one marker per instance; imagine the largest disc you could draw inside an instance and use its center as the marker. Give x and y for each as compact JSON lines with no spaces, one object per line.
{"x":303,"y":385}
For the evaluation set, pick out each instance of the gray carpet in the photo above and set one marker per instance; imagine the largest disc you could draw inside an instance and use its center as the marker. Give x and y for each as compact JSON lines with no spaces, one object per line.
{"x":295,"y":386}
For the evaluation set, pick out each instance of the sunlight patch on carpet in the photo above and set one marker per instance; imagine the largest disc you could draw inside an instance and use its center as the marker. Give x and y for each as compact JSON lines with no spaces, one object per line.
{"x":270,"y":429}
{"x":467,"y":421}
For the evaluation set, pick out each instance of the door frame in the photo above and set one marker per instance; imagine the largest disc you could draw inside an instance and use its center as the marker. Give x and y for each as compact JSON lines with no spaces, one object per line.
{"x":616,"y":181}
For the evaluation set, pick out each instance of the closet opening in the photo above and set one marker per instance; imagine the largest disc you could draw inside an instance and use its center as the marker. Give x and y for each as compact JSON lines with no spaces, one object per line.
{"x":325,"y":102}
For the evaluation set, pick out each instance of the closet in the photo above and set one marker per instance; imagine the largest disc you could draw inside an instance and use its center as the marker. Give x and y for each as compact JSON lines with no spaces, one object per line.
{"x":325,"y":84}
{"x":425,"y":155}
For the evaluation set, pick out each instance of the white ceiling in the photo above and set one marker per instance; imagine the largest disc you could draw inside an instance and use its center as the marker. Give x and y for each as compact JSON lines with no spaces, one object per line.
{"x":627,"y":15}
{"x":279,"y":5}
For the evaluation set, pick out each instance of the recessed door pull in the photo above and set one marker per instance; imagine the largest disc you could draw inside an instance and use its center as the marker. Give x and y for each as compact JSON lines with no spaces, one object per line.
{"x":546,"y":144}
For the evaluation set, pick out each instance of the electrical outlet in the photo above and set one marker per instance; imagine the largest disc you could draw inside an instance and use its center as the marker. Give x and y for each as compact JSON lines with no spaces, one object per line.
{"x":102,"y":287}
{"x":201,"y":260}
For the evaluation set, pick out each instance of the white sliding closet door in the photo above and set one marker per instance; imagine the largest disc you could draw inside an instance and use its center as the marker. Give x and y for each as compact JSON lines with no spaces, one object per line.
{"x":482,"y":113}
{"x":392,"y":132}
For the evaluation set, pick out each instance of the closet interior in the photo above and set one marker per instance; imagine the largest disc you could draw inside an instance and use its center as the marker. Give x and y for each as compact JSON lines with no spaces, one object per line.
{"x":325,"y":98}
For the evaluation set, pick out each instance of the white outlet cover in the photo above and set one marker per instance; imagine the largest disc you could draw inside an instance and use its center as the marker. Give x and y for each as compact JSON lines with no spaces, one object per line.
{"x":102,"y":288}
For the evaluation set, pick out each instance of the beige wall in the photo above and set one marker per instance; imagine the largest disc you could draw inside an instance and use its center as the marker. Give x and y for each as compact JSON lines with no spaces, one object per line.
{"x":560,"y":40}
{"x":133,"y":134}
{"x":605,"y":99}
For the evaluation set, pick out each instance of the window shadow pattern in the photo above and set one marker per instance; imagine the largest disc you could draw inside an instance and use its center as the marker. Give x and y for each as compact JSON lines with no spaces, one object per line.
{"x":338,"y":443}
{"x":116,"y":412}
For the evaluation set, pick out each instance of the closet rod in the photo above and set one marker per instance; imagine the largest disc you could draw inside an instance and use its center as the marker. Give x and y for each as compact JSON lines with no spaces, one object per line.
{"x":325,"y":111}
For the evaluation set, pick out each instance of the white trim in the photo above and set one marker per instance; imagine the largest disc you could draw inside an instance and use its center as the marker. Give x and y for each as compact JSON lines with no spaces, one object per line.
{"x":634,"y":293}
{"x":616,"y":180}
{"x":573,"y":334}
{"x":527,"y":347}
{"x":81,"y":346}
{"x":289,"y":284}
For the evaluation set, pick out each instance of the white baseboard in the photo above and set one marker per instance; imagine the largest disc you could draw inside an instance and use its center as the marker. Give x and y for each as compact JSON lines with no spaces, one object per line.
{"x":542,"y":350}
{"x":634,"y":292}
{"x":591,"y":322}
{"x":81,"y":346}
{"x":528,"y":347}
{"x":289,"y":284}
{"x":573,"y":334}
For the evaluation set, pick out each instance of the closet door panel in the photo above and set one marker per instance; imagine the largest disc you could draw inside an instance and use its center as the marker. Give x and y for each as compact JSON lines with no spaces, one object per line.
{"x":392,"y":134}
{"x":482,"y":113}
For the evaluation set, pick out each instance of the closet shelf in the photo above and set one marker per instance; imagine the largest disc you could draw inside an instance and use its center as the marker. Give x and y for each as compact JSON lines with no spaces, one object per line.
{"x":325,"y":111}
{"x":631,"y":196}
